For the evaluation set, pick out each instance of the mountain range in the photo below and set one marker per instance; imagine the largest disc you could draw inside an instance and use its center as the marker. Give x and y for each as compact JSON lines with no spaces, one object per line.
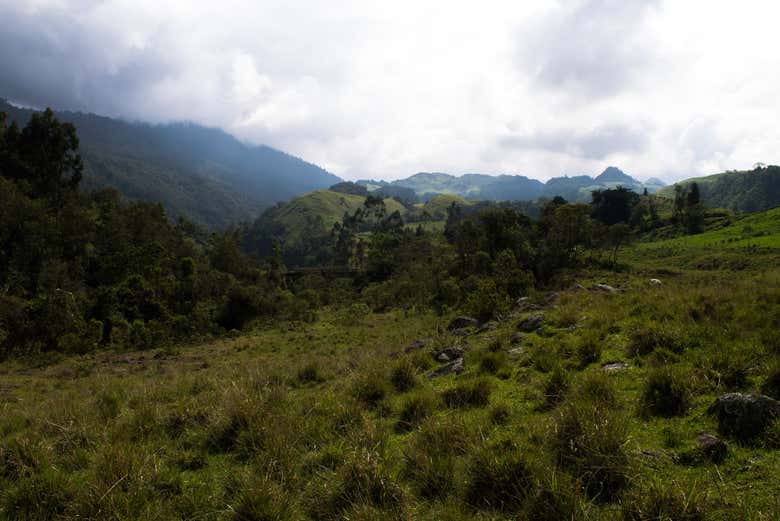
{"x":515,"y":187}
{"x":202,"y":173}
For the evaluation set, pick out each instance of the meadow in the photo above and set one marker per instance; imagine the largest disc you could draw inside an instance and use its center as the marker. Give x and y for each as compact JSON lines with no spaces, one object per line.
{"x":593,"y":415}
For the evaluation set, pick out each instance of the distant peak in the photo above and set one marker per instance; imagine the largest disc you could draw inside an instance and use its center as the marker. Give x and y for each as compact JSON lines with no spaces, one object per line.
{"x":613,"y":175}
{"x":655,"y":181}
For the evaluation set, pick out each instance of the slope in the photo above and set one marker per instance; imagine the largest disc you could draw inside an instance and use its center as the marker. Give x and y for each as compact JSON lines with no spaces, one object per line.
{"x":202,"y":173}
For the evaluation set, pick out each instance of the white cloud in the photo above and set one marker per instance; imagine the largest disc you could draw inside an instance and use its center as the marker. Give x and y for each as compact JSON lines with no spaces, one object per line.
{"x":665,"y":88}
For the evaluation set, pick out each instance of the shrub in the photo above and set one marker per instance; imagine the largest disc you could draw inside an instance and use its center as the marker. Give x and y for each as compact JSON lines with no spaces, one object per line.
{"x":598,"y":388}
{"x":590,"y":442}
{"x":771,"y":386}
{"x":491,"y":362}
{"x":556,"y":386}
{"x":310,"y":373}
{"x":588,"y":349}
{"x":414,"y":410}
{"x":474,"y":393}
{"x":404,"y":375}
{"x":665,"y":393}
{"x":364,"y":480}
{"x":661,"y":501}
{"x":645,"y":339}
{"x":486,"y":300}
{"x":261,"y":501}
{"x":500,"y":414}
{"x":369,"y":388}
{"x":498,"y":478}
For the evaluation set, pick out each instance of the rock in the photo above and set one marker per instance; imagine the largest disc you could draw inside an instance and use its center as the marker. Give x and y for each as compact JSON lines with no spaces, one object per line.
{"x":606,"y":288}
{"x":579,"y":287}
{"x":522,"y":303}
{"x":744,"y":416}
{"x":489,"y":326}
{"x":614,"y":367}
{"x":531,"y":323}
{"x":712,"y":448}
{"x":655,"y":282}
{"x":416,"y":345}
{"x":454,"y":367}
{"x":516,"y":352}
{"x":462,"y":331}
{"x":449,"y":353}
{"x":462,"y":322}
{"x":516,"y":338}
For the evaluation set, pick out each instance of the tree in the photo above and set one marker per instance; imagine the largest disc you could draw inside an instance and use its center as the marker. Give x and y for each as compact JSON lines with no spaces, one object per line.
{"x":613,"y":206}
{"x":43,"y":158}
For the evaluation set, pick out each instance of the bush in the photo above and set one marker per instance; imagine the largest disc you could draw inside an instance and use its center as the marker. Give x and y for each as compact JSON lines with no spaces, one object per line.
{"x":364,"y":480}
{"x":590,"y":442}
{"x":556,"y":386}
{"x":588,"y":349}
{"x":647,"y":338}
{"x":404,"y":375}
{"x":492,"y":363}
{"x":661,"y":501}
{"x":486,"y":301}
{"x":261,"y":501}
{"x":370,"y":388}
{"x":665,"y":393}
{"x":310,"y":373}
{"x":771,"y":386}
{"x":415,"y":409}
{"x":598,"y":388}
{"x":498,"y":478}
{"x":474,"y":393}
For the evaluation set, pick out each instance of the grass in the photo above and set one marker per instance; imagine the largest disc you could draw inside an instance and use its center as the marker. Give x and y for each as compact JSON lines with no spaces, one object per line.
{"x":322,"y":421}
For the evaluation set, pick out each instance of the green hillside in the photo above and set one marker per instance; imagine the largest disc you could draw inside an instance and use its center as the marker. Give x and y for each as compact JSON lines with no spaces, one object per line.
{"x":761,"y":229}
{"x":201,"y":173}
{"x":743,"y":191}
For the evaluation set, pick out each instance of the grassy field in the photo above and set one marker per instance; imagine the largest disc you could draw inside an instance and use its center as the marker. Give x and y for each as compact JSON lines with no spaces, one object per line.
{"x":337,"y":419}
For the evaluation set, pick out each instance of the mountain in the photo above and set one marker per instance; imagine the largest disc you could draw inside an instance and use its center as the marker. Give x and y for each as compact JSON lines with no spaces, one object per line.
{"x":513,"y":187}
{"x":202,"y":173}
{"x":743,"y":191}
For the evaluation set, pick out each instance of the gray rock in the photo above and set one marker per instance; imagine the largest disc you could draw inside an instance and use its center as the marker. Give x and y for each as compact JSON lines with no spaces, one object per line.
{"x":454,"y":367}
{"x":655,"y":282}
{"x":712,"y":448}
{"x":613,"y":367}
{"x":462,"y":322}
{"x":517,"y":338}
{"x":606,"y":288}
{"x":744,"y":416}
{"x":531,"y":323}
{"x":449,"y":354}
{"x":516,"y":352}
{"x":416,"y":345}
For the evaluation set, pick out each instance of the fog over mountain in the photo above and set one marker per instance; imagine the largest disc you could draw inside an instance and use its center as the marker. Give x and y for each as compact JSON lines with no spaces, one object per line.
{"x":539,"y":88}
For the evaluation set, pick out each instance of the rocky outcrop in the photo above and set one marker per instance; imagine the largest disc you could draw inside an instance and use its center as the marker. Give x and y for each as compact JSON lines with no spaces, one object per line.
{"x":744,"y":416}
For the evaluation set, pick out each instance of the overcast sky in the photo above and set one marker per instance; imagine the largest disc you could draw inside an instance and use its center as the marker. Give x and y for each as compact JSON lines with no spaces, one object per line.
{"x":667,"y":88}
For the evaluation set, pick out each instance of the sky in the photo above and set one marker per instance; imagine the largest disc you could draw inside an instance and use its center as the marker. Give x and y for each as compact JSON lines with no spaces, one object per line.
{"x":660,"y":88}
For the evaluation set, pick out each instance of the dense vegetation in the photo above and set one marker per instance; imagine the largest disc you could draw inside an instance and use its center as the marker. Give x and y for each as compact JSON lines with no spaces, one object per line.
{"x":746,"y":191}
{"x":200,"y":173}
{"x":484,"y":361}
{"x":85,"y":271}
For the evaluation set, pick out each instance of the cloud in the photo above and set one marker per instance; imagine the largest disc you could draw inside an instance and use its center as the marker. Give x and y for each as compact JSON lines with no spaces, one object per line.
{"x":598,"y":143}
{"x":365,"y":89}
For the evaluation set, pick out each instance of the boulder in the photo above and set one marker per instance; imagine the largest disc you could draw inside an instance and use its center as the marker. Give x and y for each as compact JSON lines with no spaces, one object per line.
{"x":462,"y":322}
{"x":614,"y":367}
{"x":712,"y":448}
{"x":744,"y":416}
{"x":449,"y":354}
{"x":531,"y":323}
{"x":454,"y":367}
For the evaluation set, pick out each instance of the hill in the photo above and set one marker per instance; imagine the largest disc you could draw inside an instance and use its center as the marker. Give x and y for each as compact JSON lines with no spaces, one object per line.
{"x":515,"y":187}
{"x":742,"y":191}
{"x":202,"y":173}
{"x":302,"y":226}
